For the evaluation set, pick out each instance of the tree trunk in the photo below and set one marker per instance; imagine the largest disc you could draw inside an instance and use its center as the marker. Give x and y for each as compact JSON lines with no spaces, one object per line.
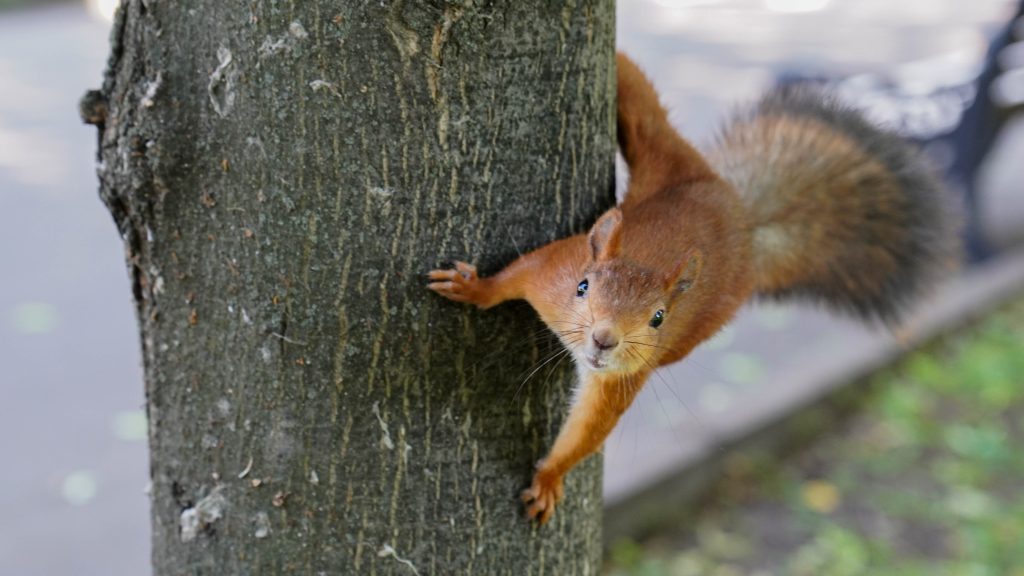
{"x":283,"y":174}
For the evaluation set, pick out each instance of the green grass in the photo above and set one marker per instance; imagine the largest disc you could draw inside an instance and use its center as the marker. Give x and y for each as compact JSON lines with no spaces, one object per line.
{"x":923,"y":477}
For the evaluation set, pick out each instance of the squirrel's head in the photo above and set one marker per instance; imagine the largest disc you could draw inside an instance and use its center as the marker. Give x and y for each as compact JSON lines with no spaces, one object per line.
{"x":622,"y":308}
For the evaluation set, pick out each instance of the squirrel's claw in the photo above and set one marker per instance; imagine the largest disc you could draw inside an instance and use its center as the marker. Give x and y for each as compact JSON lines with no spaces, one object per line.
{"x":449,"y":290}
{"x":542,"y":496}
{"x":468,"y":271}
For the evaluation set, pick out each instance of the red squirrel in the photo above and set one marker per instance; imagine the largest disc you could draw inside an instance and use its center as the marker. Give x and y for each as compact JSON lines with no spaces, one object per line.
{"x":800,"y":197}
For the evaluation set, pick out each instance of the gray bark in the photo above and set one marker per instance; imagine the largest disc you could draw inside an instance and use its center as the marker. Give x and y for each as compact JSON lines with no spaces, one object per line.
{"x":283,"y":174}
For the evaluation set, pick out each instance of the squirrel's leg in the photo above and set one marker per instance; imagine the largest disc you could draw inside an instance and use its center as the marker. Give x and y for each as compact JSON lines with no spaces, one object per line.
{"x":601,"y":400}
{"x":657,"y":155}
{"x":534,"y":276}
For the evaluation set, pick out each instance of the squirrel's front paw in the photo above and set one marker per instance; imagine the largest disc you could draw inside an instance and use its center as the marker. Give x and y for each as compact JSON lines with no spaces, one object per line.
{"x":542,"y":496}
{"x":461,"y":284}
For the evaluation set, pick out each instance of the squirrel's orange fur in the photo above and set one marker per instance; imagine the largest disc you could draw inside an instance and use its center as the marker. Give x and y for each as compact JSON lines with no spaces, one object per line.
{"x":694,"y":239}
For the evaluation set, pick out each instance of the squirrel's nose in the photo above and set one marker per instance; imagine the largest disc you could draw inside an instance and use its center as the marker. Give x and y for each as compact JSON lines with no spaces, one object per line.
{"x":604,"y":339}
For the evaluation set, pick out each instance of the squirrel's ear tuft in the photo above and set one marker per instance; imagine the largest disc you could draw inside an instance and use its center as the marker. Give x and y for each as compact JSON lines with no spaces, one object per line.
{"x":604,"y":236}
{"x":686,"y":272}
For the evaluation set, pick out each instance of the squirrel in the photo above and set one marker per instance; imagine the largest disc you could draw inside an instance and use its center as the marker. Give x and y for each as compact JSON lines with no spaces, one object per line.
{"x":800,"y":197}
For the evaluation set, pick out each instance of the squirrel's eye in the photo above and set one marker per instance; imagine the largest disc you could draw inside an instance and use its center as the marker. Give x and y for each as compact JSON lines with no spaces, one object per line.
{"x":581,"y":289}
{"x":658,"y":318}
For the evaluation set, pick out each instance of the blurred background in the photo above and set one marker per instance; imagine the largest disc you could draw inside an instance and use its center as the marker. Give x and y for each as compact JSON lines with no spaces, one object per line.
{"x":755,"y":456}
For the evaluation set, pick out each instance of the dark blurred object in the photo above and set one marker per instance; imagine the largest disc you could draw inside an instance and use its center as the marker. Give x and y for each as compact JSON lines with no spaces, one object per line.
{"x":956,"y":125}
{"x":992,"y":107}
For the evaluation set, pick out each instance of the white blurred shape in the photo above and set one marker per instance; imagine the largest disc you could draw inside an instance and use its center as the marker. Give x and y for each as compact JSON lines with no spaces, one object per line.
{"x":796,"y":5}
{"x":1008,"y":90}
{"x":80,"y":487}
{"x":716,"y":398}
{"x":103,"y":9}
{"x":35,"y":317}
{"x":685,"y":3}
{"x":130,"y":425}
{"x":954,"y":67}
{"x":28,"y":156}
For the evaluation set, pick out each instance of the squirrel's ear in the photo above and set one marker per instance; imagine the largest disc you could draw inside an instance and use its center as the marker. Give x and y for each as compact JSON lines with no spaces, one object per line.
{"x":686,"y":272}
{"x":604,"y":236}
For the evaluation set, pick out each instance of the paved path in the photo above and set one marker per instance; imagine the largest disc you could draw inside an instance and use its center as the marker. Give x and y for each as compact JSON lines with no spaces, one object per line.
{"x":71,"y":423}
{"x":72,"y":434}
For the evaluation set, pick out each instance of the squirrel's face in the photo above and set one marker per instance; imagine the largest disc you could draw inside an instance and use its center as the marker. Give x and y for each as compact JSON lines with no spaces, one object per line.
{"x":621,"y":309}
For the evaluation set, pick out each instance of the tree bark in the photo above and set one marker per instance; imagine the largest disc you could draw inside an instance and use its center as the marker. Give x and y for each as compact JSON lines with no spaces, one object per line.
{"x":283,"y":174}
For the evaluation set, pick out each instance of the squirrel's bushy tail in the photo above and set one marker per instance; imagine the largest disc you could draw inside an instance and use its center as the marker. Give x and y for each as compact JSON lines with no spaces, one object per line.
{"x":843,"y":212}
